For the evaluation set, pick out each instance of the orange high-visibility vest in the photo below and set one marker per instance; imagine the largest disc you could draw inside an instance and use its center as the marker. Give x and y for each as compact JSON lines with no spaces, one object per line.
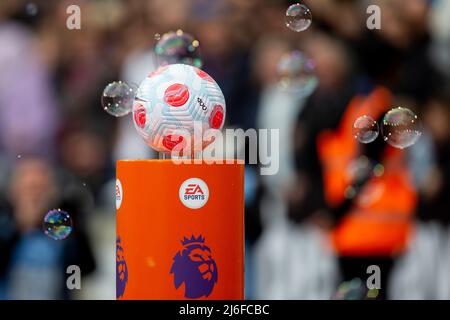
{"x":380,"y":220}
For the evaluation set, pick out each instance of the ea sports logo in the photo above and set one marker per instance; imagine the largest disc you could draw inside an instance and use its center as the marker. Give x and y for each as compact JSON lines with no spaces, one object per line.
{"x":119,"y":194}
{"x":194,"y":193}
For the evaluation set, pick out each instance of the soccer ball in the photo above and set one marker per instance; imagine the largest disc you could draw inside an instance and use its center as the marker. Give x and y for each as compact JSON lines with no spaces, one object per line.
{"x":173,"y":104}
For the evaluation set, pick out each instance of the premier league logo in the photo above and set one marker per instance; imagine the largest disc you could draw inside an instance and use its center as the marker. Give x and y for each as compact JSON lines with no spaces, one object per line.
{"x":194,"y":266}
{"x":121,"y":270}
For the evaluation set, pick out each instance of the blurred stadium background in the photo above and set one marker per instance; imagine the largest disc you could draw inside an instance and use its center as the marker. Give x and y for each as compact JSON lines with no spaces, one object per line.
{"x":58,"y":147}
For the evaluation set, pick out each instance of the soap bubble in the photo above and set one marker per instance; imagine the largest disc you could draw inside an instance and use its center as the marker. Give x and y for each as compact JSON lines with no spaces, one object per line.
{"x":57,"y":224}
{"x":178,"y":47}
{"x":117,"y":98}
{"x":401,"y":127}
{"x":365,"y":129}
{"x":296,"y":73}
{"x":350,"y":192}
{"x":31,"y":9}
{"x":351,"y":290}
{"x":298,"y":17}
{"x":378,"y":170}
{"x":360,"y":168}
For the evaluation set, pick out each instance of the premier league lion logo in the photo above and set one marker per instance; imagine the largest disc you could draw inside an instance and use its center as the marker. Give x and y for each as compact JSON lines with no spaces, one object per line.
{"x":194,"y":266}
{"x":121,"y":270}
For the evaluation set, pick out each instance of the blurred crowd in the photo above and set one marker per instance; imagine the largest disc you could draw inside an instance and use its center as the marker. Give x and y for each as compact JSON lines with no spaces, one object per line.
{"x":58,"y":147}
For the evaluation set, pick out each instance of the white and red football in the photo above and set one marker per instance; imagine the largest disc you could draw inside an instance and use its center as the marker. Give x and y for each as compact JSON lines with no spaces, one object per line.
{"x":172,"y":100}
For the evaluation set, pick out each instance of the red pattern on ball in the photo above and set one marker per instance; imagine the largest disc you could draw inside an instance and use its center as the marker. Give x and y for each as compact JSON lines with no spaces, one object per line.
{"x":170,"y":141}
{"x":202,"y":74}
{"x":139,"y":115}
{"x":216,"y":117}
{"x":176,"y":95}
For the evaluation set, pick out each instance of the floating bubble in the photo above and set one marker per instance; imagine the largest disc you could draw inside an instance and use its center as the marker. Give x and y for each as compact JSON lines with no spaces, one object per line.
{"x":401,"y":127}
{"x":31,"y":9}
{"x":365,"y":129}
{"x":296,"y":73}
{"x":350,"y":192}
{"x":117,"y":98}
{"x":178,"y":47}
{"x":351,"y":290}
{"x":57,"y":224}
{"x":19,"y":156}
{"x":298,"y":17}
{"x":360,"y":169}
{"x":378,"y":170}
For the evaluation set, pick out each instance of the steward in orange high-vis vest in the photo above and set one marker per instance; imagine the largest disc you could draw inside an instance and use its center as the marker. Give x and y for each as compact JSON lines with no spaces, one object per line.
{"x":375,"y":214}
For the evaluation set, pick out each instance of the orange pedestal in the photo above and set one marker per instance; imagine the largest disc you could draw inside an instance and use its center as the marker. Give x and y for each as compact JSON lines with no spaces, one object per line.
{"x":180,"y":230}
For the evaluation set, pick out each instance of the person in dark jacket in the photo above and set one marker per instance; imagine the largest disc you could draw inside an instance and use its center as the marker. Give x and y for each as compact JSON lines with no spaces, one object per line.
{"x":33,"y":265}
